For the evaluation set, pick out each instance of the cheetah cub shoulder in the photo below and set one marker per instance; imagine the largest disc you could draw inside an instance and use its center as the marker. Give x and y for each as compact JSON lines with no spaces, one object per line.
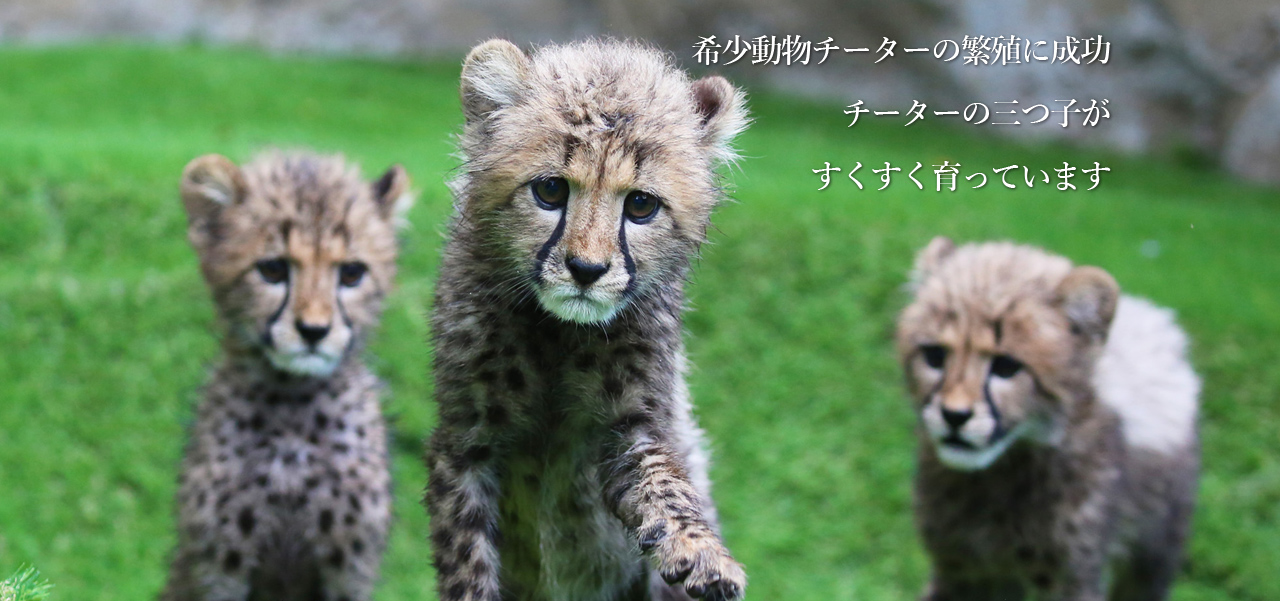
{"x":567,"y":464}
{"x":1058,"y":449}
{"x":285,"y":492}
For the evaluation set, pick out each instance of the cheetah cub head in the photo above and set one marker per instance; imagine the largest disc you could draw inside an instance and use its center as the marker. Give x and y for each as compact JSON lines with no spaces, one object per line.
{"x":297,"y":250}
{"x":591,"y":169}
{"x":999,"y":345}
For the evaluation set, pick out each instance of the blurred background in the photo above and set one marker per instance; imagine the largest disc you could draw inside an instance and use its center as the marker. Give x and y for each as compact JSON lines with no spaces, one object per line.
{"x":1201,"y":79}
{"x":106,"y":330}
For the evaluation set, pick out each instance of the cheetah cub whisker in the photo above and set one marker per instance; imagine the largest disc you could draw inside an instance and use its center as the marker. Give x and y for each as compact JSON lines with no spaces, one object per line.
{"x":567,"y":464}
{"x":1058,"y":452}
{"x":284,"y":492}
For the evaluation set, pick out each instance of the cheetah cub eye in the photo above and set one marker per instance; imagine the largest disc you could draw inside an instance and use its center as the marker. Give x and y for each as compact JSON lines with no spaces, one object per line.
{"x":273,"y":271}
{"x":550,"y":193}
{"x":641,"y":207}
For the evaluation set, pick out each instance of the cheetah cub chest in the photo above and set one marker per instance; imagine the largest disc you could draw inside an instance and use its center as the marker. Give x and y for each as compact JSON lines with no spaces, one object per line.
{"x":285,"y":492}
{"x":1058,"y":451}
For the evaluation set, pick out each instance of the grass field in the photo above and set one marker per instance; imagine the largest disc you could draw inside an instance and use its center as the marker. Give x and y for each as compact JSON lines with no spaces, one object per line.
{"x":106,"y":329}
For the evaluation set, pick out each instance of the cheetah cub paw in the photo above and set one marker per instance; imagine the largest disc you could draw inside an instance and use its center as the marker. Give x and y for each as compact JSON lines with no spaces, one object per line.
{"x":699,"y":560}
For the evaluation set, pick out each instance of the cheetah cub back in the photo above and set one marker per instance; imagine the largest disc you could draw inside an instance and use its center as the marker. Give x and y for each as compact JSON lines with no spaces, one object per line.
{"x":284,"y":492}
{"x":1058,"y":451}
{"x":567,"y":464}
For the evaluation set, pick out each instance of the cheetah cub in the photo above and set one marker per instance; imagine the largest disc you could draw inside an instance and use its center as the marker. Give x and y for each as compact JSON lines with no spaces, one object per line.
{"x":566,"y":452}
{"x":1058,"y":450}
{"x":284,"y":491}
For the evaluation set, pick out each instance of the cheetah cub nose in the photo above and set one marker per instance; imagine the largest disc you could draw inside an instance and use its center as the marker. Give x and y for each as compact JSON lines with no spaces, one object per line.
{"x":955,"y":418}
{"x":585,"y":273}
{"x":312,"y":334}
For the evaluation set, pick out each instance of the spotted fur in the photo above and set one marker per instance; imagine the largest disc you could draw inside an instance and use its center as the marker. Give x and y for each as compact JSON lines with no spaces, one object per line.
{"x":566,"y":451}
{"x":1058,"y":452}
{"x":285,"y":493}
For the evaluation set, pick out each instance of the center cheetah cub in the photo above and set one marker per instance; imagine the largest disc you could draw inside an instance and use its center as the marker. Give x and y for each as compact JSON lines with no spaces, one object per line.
{"x":285,"y":493}
{"x":566,"y":453}
{"x":1058,"y":448}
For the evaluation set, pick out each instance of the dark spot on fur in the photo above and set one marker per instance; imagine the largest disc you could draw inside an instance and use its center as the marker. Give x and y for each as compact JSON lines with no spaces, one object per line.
{"x":477,"y":454}
{"x":232,"y":560}
{"x":336,"y":558}
{"x":349,"y":519}
{"x":496,"y":415}
{"x":341,"y":447}
{"x":246,"y":521}
{"x":474,"y":520}
{"x":357,"y":547}
{"x":442,"y":539}
{"x":651,"y":536}
{"x":322,"y":420}
{"x":339,"y":424}
{"x":263,"y":481}
{"x":457,"y":590}
{"x":585,"y":361}
{"x":629,"y":422}
{"x":257,"y":422}
{"x":360,"y":431}
{"x":612,"y":387}
{"x":355,"y":502}
{"x":571,"y":144}
{"x":1042,"y":581}
{"x":326,"y":521}
{"x":515,"y":379}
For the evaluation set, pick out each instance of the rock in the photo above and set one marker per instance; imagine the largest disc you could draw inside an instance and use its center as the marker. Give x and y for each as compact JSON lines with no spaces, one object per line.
{"x":1253,"y":143}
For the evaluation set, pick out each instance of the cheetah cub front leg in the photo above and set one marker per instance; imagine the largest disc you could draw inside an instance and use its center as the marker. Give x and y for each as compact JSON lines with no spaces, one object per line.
{"x":567,"y":463}
{"x":664,"y":511}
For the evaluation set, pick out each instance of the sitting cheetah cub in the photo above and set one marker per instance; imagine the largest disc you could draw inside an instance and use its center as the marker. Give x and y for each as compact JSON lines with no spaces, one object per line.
{"x":1058,"y":449}
{"x":566,"y":453}
{"x":284,"y":491}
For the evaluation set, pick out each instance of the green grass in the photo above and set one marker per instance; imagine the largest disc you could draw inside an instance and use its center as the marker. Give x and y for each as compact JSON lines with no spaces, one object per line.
{"x":25,"y":585}
{"x":107,"y":331}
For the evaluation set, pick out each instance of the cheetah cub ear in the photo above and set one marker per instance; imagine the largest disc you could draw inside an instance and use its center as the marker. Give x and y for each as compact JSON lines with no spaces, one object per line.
{"x":391,"y":192}
{"x":929,"y":259}
{"x":493,"y":77}
{"x":209,"y":184}
{"x":724,"y":115}
{"x":1088,"y":296}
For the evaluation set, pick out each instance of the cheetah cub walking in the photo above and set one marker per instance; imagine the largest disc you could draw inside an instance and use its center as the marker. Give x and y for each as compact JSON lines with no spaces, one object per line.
{"x":566,"y":453}
{"x":284,"y":491}
{"x":1058,"y":451}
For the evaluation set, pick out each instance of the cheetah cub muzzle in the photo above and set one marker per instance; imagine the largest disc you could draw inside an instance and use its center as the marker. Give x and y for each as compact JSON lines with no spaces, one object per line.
{"x":284,"y":493}
{"x":567,"y":464}
{"x":1058,"y":450}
